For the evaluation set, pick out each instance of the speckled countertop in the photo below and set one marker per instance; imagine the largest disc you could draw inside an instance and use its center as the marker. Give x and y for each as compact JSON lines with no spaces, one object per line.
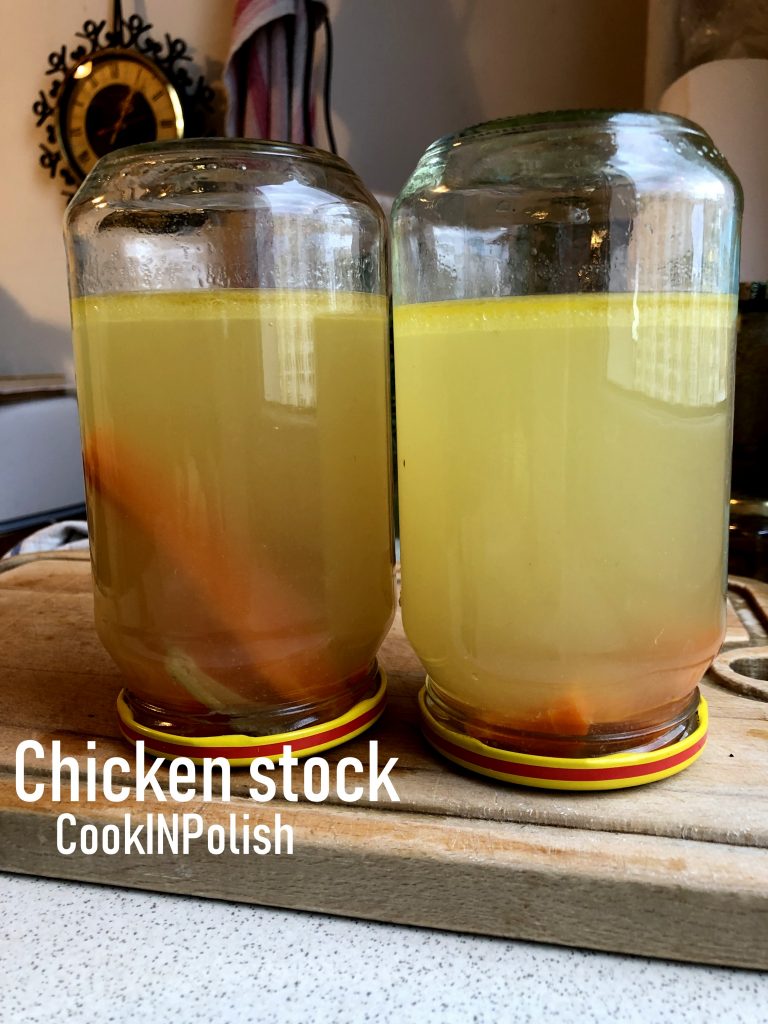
{"x":91,"y":955}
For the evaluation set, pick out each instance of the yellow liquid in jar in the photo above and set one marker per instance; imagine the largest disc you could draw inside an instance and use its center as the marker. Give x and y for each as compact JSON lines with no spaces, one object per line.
{"x":236,"y":448}
{"x":563,"y":484}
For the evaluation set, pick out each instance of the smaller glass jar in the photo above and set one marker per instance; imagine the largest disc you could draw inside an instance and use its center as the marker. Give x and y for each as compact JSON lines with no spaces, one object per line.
{"x":564,"y":311}
{"x":229,"y":309}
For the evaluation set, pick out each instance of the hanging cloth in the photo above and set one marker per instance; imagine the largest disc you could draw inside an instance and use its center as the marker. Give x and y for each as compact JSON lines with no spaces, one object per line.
{"x":270,"y":76}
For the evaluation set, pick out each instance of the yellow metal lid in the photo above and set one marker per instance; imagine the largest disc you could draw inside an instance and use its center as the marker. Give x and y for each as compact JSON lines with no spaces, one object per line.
{"x":241,"y":750}
{"x":611,"y":771}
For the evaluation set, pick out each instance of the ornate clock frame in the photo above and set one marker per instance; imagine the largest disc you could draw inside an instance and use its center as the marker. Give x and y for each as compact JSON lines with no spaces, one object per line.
{"x":127,"y":35}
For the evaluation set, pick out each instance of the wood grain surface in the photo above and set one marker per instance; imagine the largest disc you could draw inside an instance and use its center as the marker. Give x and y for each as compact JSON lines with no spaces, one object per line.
{"x":677,"y":869}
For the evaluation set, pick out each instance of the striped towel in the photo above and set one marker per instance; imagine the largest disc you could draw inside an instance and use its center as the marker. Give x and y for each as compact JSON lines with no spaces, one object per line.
{"x":270,"y":76}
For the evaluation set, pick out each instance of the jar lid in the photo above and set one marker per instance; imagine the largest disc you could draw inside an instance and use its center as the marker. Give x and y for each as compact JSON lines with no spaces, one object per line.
{"x":611,"y":771}
{"x":241,"y":750}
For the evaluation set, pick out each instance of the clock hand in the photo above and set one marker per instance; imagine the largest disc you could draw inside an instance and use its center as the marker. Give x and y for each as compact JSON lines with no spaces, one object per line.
{"x":124,"y":108}
{"x":132,"y":118}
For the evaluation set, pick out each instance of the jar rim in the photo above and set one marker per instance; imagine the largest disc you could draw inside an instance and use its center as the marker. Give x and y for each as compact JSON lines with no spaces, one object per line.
{"x":554,"y":120}
{"x":253,"y":147}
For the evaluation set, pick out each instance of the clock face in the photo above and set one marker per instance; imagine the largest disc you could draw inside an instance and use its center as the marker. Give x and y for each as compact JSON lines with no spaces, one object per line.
{"x":114,"y":99}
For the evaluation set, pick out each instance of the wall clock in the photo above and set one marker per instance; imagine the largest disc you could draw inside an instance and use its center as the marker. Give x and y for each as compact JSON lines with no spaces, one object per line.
{"x":117,"y":88}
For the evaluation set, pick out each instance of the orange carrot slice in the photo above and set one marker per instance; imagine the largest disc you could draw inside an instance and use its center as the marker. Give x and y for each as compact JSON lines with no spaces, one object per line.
{"x":566,"y":718}
{"x":139,"y":491}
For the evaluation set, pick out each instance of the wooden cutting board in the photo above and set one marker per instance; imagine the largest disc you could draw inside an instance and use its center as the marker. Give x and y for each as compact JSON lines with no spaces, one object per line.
{"x":678,"y":869}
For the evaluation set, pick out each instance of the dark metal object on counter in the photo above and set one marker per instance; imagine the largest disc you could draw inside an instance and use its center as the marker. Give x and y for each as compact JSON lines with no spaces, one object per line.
{"x":748,"y":552}
{"x":748,"y":539}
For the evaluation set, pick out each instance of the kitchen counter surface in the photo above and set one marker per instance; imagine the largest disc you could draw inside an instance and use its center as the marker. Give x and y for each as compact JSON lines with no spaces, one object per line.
{"x":84,"y":953}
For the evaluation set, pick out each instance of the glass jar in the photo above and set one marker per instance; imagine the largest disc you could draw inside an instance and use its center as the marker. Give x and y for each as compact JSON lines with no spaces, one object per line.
{"x":564,"y":289}
{"x":230,"y":320}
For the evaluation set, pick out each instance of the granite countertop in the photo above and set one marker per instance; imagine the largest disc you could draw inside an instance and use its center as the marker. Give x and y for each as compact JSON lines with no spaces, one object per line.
{"x":83,"y":953}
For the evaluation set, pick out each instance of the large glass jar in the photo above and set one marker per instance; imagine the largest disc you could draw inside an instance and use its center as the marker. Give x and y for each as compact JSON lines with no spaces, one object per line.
{"x":230,"y":319}
{"x":564,"y":289}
